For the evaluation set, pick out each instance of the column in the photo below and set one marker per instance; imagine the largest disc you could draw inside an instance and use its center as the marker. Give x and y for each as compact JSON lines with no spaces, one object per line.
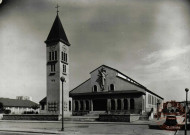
{"x":115,"y":104}
{"x":91,"y":105}
{"x":108,"y":104}
{"x":73,"y":105}
{"x":84,"y":105}
{"x":122,"y":104}
{"x":128,"y":104}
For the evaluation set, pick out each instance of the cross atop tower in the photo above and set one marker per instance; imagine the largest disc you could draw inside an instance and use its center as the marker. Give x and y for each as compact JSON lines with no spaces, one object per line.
{"x":57,"y":8}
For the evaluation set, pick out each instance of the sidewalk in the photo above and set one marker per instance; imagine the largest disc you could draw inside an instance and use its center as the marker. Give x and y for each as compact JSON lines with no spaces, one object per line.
{"x":139,"y":122}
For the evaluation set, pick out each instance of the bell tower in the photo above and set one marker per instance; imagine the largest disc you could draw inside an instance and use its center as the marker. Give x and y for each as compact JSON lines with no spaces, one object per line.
{"x":57,"y":57}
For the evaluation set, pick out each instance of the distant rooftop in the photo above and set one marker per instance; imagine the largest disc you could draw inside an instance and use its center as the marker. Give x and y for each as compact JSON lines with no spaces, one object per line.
{"x":7,"y":102}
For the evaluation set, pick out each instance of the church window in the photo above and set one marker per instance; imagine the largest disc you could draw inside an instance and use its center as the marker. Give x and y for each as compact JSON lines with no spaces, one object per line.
{"x":65,"y":57}
{"x":49,"y":55}
{"x":132,"y":104}
{"x":152,"y":100}
{"x":95,"y":88}
{"x":149,"y":99}
{"x":52,"y":55}
{"x":112,"y":87}
{"x":55,"y":55}
{"x":52,"y":67}
{"x":64,"y":68}
{"x":61,"y":55}
{"x":69,"y":105}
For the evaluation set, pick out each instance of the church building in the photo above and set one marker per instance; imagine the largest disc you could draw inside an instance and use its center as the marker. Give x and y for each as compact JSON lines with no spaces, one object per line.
{"x":57,"y":66}
{"x":110,"y":91}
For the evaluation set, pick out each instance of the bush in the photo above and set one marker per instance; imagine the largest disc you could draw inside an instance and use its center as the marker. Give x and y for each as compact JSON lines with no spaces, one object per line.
{"x":29,"y":112}
{"x":7,"y":111}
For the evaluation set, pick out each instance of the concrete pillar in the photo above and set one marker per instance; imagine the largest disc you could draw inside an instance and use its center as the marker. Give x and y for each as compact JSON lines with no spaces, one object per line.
{"x":115,"y":104}
{"x":84,"y":105}
{"x":128,"y":104}
{"x":91,"y":105}
{"x":122,"y":104}
{"x":108,"y":104}
{"x":73,"y":105}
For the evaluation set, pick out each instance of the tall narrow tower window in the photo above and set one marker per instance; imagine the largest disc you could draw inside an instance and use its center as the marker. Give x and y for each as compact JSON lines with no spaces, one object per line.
{"x":49,"y":55}
{"x":61,"y":55}
{"x":64,"y":68}
{"x":52,"y":55}
{"x":55,"y":55}
{"x":65,"y":57}
{"x":52,"y":67}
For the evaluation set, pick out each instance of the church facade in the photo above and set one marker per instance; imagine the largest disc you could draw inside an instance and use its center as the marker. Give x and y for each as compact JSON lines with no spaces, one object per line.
{"x":110,"y":91}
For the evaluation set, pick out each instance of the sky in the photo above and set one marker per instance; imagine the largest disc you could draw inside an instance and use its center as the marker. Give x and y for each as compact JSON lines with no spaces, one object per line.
{"x":148,"y":40}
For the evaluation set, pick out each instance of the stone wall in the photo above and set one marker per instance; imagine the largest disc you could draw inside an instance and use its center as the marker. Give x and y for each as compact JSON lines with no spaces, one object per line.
{"x":32,"y":117}
{"x":119,"y":118}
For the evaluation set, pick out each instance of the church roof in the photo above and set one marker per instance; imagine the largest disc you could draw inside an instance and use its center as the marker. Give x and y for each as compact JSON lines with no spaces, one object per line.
{"x":43,"y":101}
{"x":7,"y":102}
{"x":57,"y":33}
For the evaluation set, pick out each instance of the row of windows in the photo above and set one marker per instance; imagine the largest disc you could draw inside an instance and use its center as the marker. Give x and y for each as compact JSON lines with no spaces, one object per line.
{"x":52,"y":68}
{"x":54,"y":106}
{"x":152,"y":100}
{"x":64,"y":56}
{"x":95,"y":88}
{"x":53,"y":55}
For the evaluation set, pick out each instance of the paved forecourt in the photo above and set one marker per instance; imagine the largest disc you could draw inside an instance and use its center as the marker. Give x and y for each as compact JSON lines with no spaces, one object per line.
{"x":79,"y":128}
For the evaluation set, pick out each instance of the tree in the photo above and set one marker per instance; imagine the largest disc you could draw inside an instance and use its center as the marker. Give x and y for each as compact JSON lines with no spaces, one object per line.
{"x":1,"y":107}
{"x":35,"y":107}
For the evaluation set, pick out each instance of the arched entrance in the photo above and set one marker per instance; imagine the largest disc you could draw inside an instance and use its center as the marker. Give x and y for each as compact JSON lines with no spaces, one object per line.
{"x":76,"y":106}
{"x":132,"y":104}
{"x":81,"y":105}
{"x":112,"y":104}
{"x":119,"y":104}
{"x":125,"y":104}
{"x":87,"y":105}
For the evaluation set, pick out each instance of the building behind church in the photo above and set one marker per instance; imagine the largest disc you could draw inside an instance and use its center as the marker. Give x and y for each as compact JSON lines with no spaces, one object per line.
{"x":20,"y":105}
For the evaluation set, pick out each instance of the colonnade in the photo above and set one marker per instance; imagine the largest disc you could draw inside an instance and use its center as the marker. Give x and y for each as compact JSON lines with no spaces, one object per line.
{"x":120,"y":104}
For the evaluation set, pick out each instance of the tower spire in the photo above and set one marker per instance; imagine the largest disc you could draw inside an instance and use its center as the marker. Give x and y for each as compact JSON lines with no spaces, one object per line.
{"x":57,"y":8}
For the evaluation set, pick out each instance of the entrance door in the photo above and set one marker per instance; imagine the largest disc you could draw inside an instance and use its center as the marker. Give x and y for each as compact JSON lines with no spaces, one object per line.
{"x":100,"y":105}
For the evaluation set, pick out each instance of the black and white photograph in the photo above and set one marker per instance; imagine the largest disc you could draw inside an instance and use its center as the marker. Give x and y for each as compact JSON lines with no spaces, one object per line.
{"x":94,"y":67}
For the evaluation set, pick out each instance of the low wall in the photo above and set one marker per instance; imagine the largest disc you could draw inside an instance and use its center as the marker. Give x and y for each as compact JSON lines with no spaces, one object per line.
{"x":119,"y":118}
{"x":32,"y":117}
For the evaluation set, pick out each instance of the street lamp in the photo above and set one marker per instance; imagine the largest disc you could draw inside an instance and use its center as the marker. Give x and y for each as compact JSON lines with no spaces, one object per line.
{"x":186,"y":111}
{"x":62,"y":80}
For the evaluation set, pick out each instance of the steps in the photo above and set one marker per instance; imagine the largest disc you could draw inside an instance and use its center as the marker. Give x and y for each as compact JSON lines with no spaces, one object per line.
{"x":95,"y":113}
{"x":144,"y":116}
{"x":82,"y":118}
